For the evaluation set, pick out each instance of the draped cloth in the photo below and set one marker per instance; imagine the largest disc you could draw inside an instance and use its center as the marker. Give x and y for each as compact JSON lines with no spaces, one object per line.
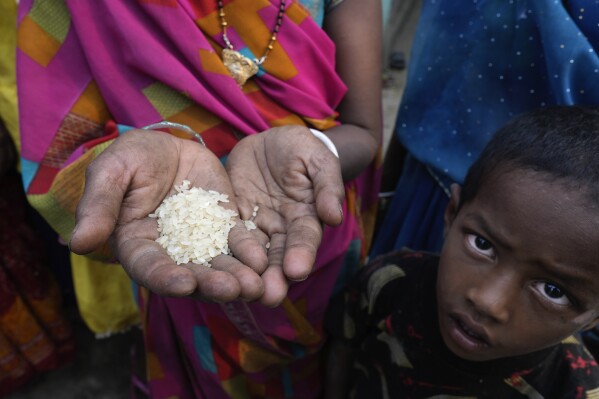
{"x":35,"y":335}
{"x":8,"y":87}
{"x":137,"y":63}
{"x":472,"y":68}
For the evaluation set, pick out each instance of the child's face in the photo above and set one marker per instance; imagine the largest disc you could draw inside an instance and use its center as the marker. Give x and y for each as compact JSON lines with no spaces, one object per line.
{"x":519,"y":270}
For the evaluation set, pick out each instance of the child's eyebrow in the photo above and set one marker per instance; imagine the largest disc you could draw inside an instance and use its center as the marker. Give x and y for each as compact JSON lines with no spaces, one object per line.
{"x":567,"y":274}
{"x":489,"y":232}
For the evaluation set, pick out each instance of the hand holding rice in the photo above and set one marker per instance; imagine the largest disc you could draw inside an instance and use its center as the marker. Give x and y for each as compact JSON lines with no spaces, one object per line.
{"x":193,"y":226}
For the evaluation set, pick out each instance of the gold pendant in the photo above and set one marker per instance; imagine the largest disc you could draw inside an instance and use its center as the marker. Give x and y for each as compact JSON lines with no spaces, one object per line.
{"x":240,"y":67}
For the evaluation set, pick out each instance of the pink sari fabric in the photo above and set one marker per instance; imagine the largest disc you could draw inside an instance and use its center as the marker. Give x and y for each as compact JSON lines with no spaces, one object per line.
{"x":83,"y":63}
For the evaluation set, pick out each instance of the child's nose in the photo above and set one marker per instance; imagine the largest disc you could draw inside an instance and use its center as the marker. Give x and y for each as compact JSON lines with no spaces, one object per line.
{"x":492,"y":297}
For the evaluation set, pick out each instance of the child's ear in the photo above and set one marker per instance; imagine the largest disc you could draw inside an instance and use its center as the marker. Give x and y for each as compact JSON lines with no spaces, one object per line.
{"x":452,"y":206}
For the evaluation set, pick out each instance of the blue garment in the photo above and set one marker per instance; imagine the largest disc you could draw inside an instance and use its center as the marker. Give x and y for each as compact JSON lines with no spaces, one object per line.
{"x":472,"y":68}
{"x":414,"y":211}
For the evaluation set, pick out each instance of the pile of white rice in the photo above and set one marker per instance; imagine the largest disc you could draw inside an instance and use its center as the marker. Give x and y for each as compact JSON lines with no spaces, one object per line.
{"x":193,"y":226}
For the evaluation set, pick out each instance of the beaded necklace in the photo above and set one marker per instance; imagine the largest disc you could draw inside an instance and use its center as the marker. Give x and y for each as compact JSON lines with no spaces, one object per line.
{"x":241,"y":67}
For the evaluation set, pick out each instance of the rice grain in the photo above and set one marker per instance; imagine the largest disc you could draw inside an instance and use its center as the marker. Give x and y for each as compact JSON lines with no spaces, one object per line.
{"x":193,"y":226}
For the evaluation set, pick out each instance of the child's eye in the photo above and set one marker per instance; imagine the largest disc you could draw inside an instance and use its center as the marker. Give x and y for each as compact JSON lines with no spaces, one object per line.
{"x":480,"y":245}
{"x":552,"y":292}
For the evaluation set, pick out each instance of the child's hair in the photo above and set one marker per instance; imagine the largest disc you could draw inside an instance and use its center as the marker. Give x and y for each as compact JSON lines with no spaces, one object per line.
{"x":561,"y":142}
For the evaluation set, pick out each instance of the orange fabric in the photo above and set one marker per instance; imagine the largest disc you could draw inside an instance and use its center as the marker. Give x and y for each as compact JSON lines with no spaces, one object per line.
{"x":35,"y":335}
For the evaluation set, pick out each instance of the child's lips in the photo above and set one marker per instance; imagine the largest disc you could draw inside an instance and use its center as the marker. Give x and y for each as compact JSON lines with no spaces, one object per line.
{"x":467,"y":334}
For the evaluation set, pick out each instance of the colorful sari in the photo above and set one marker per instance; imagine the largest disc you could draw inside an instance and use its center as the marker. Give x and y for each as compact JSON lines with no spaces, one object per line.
{"x":137,"y":63}
{"x":35,"y":335}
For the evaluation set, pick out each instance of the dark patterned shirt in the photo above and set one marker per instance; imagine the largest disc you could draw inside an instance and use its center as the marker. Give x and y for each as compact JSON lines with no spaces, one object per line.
{"x":389,"y":314}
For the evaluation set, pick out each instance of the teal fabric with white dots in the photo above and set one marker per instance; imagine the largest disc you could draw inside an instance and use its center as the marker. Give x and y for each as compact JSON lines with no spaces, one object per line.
{"x":475,"y":65}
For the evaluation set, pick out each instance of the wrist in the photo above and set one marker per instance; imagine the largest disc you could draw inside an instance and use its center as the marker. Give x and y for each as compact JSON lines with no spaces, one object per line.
{"x":178,"y":126}
{"x":326,"y":141}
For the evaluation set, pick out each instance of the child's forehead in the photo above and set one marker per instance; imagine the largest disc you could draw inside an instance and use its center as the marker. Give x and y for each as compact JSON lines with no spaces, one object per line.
{"x":542,"y":218}
{"x":531,"y":182}
{"x":541,"y":198}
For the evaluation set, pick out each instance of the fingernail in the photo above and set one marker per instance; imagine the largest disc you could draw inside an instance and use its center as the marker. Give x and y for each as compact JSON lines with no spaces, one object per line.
{"x":298,"y":279}
{"x":341,"y":211}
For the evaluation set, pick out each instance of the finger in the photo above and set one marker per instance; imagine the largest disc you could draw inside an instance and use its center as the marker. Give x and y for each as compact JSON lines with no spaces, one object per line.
{"x":249,"y":247}
{"x":275,"y":282}
{"x":98,"y":210}
{"x":246,"y":208}
{"x":270,"y":221}
{"x":250,"y":283}
{"x":214,"y":285}
{"x":276,"y":250}
{"x":147,"y":262}
{"x":149,"y":265}
{"x":329,"y":191}
{"x":275,"y":287}
{"x":303,"y":239}
{"x":260,"y":236}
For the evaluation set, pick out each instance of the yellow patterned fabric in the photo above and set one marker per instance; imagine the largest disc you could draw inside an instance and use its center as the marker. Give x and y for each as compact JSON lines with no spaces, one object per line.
{"x":108,"y":307}
{"x":8,"y":88}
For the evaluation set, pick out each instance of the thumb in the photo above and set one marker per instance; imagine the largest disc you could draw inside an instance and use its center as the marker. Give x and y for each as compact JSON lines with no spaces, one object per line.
{"x":329,"y":191}
{"x":98,"y":210}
